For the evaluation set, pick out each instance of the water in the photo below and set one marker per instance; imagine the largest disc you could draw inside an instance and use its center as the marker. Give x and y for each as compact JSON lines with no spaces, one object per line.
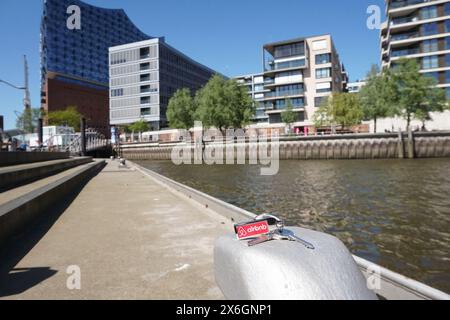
{"x":393,"y":212}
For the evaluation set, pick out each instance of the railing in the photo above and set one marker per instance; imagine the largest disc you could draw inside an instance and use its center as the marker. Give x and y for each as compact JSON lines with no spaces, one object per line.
{"x":94,"y":141}
{"x":406,"y":3}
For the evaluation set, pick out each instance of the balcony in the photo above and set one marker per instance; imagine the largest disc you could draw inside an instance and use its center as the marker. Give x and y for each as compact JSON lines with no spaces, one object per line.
{"x":405,"y":52}
{"x":274,"y":66}
{"x":283,"y":94}
{"x":406,"y":3}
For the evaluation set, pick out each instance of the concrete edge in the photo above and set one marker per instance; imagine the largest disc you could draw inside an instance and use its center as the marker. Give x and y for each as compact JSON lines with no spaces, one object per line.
{"x":397,"y":285}
{"x":16,"y":214}
{"x":14,"y":179}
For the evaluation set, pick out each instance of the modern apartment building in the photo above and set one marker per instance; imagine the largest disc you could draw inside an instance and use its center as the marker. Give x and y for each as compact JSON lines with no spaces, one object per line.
{"x":304,"y":71}
{"x":418,"y":29}
{"x":74,"y":62}
{"x":143,"y":77}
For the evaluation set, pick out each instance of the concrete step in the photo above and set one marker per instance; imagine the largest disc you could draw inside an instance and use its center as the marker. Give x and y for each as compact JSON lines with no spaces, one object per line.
{"x":15,"y":158}
{"x":20,"y":206}
{"x":17,"y":175}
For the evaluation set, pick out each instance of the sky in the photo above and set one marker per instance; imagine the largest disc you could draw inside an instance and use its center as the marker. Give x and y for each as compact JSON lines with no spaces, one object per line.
{"x":225,"y":35}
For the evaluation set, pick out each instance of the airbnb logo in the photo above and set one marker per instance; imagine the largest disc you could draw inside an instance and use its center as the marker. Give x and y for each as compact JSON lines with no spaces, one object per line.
{"x":251,"y":230}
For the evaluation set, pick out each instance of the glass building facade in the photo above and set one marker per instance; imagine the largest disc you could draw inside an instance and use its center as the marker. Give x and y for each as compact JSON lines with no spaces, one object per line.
{"x":76,"y":61}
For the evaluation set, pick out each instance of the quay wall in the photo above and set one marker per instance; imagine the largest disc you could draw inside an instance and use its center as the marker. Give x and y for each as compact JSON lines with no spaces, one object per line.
{"x":363,"y":146}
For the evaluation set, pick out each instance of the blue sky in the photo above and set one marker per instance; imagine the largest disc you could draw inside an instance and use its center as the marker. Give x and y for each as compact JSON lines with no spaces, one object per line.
{"x":226,"y":35}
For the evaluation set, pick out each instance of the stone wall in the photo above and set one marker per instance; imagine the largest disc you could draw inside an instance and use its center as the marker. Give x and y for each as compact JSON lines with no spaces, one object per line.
{"x":380,"y":146}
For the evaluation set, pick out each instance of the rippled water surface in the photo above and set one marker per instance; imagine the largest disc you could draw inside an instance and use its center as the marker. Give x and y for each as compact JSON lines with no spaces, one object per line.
{"x":393,"y":212}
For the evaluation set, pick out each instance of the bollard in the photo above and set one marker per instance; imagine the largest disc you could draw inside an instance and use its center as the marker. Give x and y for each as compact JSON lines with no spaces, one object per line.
{"x":40,"y":133}
{"x":411,"y":154}
{"x":401,"y":150}
{"x":83,"y":136}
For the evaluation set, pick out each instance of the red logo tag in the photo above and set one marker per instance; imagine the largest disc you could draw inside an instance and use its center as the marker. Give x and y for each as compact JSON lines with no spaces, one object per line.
{"x":251,"y":230}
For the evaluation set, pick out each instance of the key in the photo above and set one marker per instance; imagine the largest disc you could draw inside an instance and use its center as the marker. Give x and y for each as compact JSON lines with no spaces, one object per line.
{"x":260,"y":239}
{"x":307,"y":244}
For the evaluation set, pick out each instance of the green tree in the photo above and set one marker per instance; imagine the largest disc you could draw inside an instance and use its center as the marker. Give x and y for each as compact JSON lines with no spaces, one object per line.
{"x":341,"y":109}
{"x":376,"y":96}
{"x":241,"y":107}
{"x":288,"y":116}
{"x":139,"y":126}
{"x":181,"y":110}
{"x":28,"y":120}
{"x":68,"y":117}
{"x":223,"y":104}
{"x":415,"y":95}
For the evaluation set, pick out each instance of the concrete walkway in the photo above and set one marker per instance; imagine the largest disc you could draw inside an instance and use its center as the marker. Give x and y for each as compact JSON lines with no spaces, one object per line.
{"x":131,"y":238}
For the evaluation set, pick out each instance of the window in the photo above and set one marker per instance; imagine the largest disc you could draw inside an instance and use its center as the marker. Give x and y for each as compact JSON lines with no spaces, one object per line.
{"x":319,"y":100}
{"x":430,"y":45}
{"x":447,"y":76}
{"x":447,"y":42}
{"x":145,"y":89}
{"x":259,"y":87}
{"x":145,"y":66}
{"x":447,"y":8}
{"x":433,"y":75}
{"x":429,"y":29}
{"x":145,"y":77}
{"x":447,"y":60}
{"x":428,"y":13}
{"x":323,"y":73}
{"x":323,"y":87}
{"x":144,"y":53}
{"x":430,"y":62}
{"x":146,"y":112}
{"x":447,"y":25}
{"x":323,"y":58}
{"x":116,"y":92}
{"x":295,"y":49}
{"x":145,"y":100}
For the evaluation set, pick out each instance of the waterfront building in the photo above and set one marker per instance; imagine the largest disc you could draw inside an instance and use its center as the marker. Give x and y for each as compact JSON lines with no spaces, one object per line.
{"x":418,"y":29}
{"x":143,"y":77}
{"x":304,"y":71}
{"x":74,"y":63}
{"x":355,"y":87}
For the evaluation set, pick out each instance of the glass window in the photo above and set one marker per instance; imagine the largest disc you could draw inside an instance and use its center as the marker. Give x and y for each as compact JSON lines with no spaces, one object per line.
{"x":447,"y":25}
{"x":430,"y":62}
{"x":319,"y":100}
{"x":430,"y":45}
{"x":433,"y":75}
{"x":447,"y":76}
{"x":447,"y":42}
{"x":323,"y":58}
{"x":428,"y":13}
{"x":447,"y":60}
{"x":146,"y":112}
{"x":145,"y":100}
{"x":290,"y":50}
{"x":447,"y":8}
{"x":323,"y":73}
{"x":429,"y":29}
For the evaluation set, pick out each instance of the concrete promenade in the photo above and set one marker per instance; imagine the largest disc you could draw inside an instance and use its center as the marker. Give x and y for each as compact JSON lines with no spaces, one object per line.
{"x":131,"y":237}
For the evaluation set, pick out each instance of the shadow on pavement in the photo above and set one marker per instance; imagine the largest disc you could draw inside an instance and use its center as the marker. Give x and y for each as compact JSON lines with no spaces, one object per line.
{"x":18,"y":280}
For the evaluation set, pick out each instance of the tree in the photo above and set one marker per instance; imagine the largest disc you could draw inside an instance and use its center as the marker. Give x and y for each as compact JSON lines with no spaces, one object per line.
{"x":140,"y":126}
{"x":241,"y":107}
{"x":68,"y":117}
{"x":223,"y":104}
{"x":28,"y":120}
{"x":340,"y":108}
{"x":181,"y":110}
{"x":288,"y":116}
{"x":415,"y":95}
{"x":376,"y":96}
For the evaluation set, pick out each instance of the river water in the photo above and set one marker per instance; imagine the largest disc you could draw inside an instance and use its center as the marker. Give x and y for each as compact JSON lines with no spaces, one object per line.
{"x":393,"y":212}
